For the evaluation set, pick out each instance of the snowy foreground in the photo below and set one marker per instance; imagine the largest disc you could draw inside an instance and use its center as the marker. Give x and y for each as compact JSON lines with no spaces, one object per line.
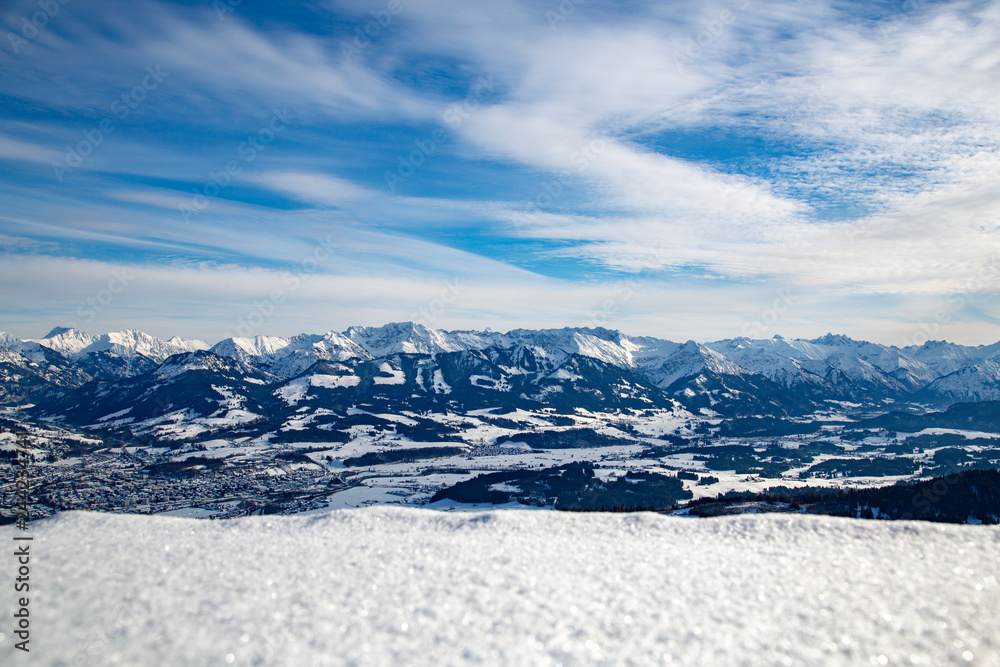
{"x":390,"y":586}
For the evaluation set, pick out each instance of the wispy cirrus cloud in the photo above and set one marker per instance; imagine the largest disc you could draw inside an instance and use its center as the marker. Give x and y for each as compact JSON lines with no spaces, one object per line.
{"x":731,"y":147}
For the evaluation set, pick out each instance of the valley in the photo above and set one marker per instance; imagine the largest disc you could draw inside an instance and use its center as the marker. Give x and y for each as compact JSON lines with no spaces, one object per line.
{"x":564,"y":419}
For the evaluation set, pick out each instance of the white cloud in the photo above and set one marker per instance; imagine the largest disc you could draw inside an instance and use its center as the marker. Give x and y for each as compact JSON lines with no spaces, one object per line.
{"x":892,"y":121}
{"x":901,"y":121}
{"x":208,"y":63}
{"x":315,"y":188}
{"x":14,"y":149}
{"x":211,"y":302}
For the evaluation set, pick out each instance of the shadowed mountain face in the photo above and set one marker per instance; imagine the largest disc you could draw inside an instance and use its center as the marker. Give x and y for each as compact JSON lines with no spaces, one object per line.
{"x":129,"y":380}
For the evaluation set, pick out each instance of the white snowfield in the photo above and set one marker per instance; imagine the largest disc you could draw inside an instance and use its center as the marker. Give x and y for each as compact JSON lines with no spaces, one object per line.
{"x":393,"y":586}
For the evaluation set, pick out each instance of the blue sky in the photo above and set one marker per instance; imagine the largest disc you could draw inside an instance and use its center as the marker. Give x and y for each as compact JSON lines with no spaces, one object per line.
{"x":678,"y":169}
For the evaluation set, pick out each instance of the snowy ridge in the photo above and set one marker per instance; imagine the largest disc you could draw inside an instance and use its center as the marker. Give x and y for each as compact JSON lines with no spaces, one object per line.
{"x":287,"y":357}
{"x":258,"y":346}
{"x":773,"y":358}
{"x":393,"y":586}
{"x":611,"y":347}
{"x":691,"y":359}
{"x":9,"y":356}
{"x":192,"y":361}
{"x":29,"y":349}
{"x":981,"y":382}
{"x":67,"y":341}
{"x":944,"y":358}
{"x":835,"y":365}
{"x":793,"y":362}
{"x":128,"y":343}
{"x":411,"y":338}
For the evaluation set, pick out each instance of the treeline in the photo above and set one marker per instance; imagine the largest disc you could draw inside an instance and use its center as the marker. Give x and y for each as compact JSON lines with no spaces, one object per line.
{"x":573,"y":486}
{"x":402,"y":455}
{"x":574,"y":438}
{"x":984,"y":416}
{"x":953,"y":498}
{"x":766,"y":427}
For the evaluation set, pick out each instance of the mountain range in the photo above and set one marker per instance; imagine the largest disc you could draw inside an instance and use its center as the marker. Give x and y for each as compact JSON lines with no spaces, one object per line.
{"x":132,"y":381}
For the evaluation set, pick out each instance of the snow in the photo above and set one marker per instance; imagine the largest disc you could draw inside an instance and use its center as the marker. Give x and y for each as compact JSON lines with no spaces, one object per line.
{"x":334,"y":381}
{"x":256,"y":346}
{"x":945,"y":370}
{"x":486,"y":382}
{"x":505,"y":488}
{"x":945,"y":358}
{"x":293,"y":391}
{"x":411,"y":338}
{"x":399,"y":419}
{"x":691,"y":359}
{"x":565,"y":374}
{"x":611,"y":352}
{"x":440,"y":386}
{"x":129,"y":342}
{"x":402,"y":586}
{"x":126,"y":343}
{"x":396,"y":376}
{"x":113,"y":415}
{"x":67,"y":341}
{"x":973,"y":383}
{"x":184,"y":363}
{"x":287,"y":357}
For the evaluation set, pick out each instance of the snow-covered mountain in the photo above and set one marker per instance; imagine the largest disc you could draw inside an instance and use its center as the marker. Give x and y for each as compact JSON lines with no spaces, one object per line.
{"x":287,"y":357}
{"x":129,"y":343}
{"x":980,"y":382}
{"x":943,"y":358}
{"x":411,"y":338}
{"x":66,"y":341}
{"x":29,"y":375}
{"x":408,"y":366}
{"x":692,"y":359}
{"x":828,"y":361}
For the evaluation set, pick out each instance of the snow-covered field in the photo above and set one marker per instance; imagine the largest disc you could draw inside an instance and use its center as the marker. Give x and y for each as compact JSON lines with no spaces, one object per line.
{"x":396,"y":586}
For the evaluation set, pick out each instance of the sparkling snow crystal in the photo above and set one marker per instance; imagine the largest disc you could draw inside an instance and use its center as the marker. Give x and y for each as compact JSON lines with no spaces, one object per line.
{"x":390,"y":586}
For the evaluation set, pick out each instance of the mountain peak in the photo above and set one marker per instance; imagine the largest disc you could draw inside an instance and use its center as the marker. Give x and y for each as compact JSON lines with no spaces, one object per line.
{"x":59,"y":331}
{"x":833,"y":339}
{"x":402,"y":337}
{"x":67,"y":340}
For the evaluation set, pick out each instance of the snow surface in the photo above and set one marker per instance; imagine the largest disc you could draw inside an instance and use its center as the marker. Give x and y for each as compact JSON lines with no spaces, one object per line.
{"x":293,"y":391}
{"x":393,"y":586}
{"x":334,"y":381}
{"x":396,"y":376}
{"x":440,"y":386}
